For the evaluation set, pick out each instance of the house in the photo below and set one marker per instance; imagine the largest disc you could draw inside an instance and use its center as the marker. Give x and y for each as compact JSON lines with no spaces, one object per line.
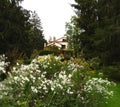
{"x":61,"y":43}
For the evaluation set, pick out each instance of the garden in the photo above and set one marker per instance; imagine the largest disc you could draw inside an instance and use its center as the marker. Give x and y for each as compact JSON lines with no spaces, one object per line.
{"x":86,"y":74}
{"x":49,"y":81}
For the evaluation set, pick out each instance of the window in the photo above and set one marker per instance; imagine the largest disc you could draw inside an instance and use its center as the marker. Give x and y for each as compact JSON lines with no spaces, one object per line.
{"x":64,"y":40}
{"x":63,"y":46}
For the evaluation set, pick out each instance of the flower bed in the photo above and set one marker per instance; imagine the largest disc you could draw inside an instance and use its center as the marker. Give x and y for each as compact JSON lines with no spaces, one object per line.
{"x":48,"y":82}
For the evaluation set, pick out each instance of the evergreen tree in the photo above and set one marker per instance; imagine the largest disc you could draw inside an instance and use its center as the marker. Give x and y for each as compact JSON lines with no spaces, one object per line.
{"x":14,"y":27}
{"x":17,"y":32}
{"x":37,"y":37}
{"x":100,"y":20}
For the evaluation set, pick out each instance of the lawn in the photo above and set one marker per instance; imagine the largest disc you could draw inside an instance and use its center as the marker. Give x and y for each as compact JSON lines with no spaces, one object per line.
{"x":115,"y":100}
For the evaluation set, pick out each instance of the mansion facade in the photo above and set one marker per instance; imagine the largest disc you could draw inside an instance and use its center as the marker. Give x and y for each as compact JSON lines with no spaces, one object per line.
{"x":61,"y":43}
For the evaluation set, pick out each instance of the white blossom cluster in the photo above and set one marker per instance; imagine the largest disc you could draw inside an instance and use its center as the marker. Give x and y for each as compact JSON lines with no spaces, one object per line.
{"x":97,"y":87}
{"x":49,"y":61}
{"x":62,"y":82}
{"x":3,"y":64}
{"x":31,"y":74}
{"x":33,"y":80}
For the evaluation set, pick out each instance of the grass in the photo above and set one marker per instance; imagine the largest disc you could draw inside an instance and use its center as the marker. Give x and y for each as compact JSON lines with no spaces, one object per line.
{"x":115,"y":100}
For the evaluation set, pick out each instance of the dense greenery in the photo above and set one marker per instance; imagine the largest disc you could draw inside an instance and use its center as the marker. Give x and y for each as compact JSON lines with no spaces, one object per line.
{"x":20,"y":32}
{"x":100,"y":22}
{"x":49,"y":82}
{"x":37,"y":37}
{"x":60,"y":80}
{"x":73,"y":33}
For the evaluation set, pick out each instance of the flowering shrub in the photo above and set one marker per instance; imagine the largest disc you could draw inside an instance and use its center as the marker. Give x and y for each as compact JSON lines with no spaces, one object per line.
{"x":38,"y":80}
{"x":3,"y":65}
{"x":96,"y":90}
{"x":48,"y":82}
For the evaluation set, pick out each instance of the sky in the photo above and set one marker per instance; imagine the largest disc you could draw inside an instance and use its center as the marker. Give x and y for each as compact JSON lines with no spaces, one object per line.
{"x":53,"y":14}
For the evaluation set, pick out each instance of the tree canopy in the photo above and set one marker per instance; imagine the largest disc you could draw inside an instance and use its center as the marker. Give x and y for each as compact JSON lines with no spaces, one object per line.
{"x":73,"y":32}
{"x":100,"y":20}
{"x":19,"y":30}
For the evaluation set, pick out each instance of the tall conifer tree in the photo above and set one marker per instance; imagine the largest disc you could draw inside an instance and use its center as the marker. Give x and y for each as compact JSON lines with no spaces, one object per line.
{"x":101,"y":21}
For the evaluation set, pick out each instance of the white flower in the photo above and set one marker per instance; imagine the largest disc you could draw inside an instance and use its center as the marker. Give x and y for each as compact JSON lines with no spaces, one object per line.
{"x":34,"y":89}
{"x":26,"y":78}
{"x":52,"y":88}
{"x":70,"y":75}
{"x":3,"y":64}
{"x":15,"y":78}
{"x":98,"y":86}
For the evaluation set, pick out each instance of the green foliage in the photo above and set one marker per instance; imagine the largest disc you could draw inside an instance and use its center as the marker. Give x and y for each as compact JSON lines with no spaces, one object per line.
{"x":113,"y":72}
{"x":15,"y":26}
{"x":46,"y":52}
{"x":100,"y":22}
{"x":73,"y":33}
{"x":48,"y":82}
{"x":115,"y":100}
{"x":97,"y":91}
{"x":51,"y":48}
{"x":66,"y":53}
{"x":36,"y":32}
{"x":14,"y":55}
{"x":94,"y":63}
{"x":19,"y":30}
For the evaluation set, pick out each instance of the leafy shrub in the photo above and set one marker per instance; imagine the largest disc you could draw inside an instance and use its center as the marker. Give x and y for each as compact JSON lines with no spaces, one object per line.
{"x":29,"y":83}
{"x":113,"y":72}
{"x":3,"y":66}
{"x":14,"y":55}
{"x":94,"y":63}
{"x":56,"y":52}
{"x":47,"y":52}
{"x":48,"y":82}
{"x":51,"y":48}
{"x":96,"y":92}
